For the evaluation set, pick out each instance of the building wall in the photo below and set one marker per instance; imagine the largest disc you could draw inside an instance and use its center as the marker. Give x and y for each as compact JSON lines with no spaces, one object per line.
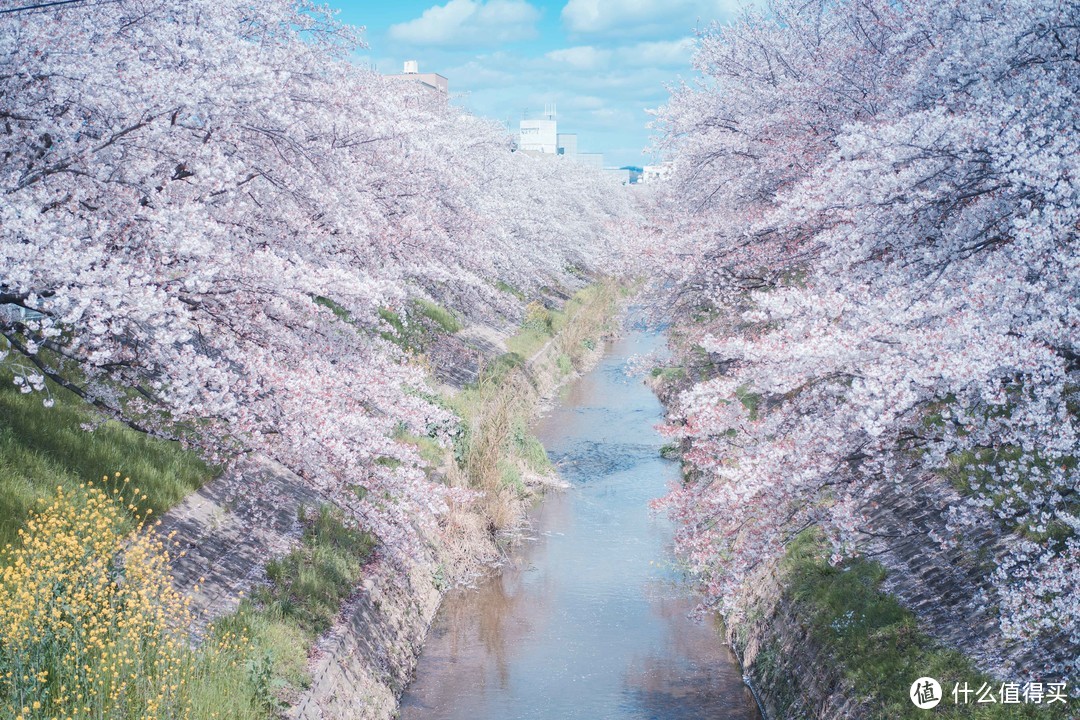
{"x":567,"y":143}
{"x":538,"y":136}
{"x":623,"y":174}
{"x":595,"y":160}
{"x":655,"y":173}
{"x":435,"y":81}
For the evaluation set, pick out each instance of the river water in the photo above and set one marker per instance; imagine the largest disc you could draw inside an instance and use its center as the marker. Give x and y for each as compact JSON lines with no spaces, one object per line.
{"x":590,"y":621}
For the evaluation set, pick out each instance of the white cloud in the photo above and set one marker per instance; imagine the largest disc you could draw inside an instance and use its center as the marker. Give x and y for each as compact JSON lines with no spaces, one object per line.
{"x":601,"y":88}
{"x":638,"y":16}
{"x":470,"y":22}
{"x":663,"y":53}
{"x":585,"y":102}
{"x":583,"y":57}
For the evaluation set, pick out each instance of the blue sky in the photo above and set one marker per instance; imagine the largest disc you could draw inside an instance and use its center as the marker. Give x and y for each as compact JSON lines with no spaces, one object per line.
{"x":602,"y":62}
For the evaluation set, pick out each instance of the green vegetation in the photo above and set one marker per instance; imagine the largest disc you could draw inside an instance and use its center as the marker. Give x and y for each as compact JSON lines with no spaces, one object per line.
{"x":750,"y":400}
{"x":671,"y":451}
{"x":494,"y":449}
{"x":308,"y":585}
{"x":483,"y":449}
{"x":334,"y":307}
{"x":412,"y":329}
{"x":249,"y":666}
{"x":972,"y":472}
{"x":669,"y":374}
{"x":503,"y":365}
{"x":306,"y":590}
{"x":255,"y":660}
{"x":430,"y":450}
{"x":41,"y":448}
{"x":542,"y":324}
{"x":528,"y":448}
{"x":508,"y":288}
{"x":565,"y":365}
{"x":977,"y":471}
{"x":439,"y":315}
{"x":88,"y":636}
{"x":876,"y":641}
{"x":539,"y":327}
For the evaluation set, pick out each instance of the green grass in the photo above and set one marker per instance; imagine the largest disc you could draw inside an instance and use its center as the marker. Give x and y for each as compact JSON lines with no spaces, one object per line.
{"x":669,"y":374}
{"x":231,"y":690}
{"x":510,"y":477}
{"x":439,"y":315}
{"x":425,"y":308}
{"x":971,"y":472}
{"x":308,"y":585}
{"x":88,"y":607}
{"x":564,"y":363}
{"x":877,"y":641}
{"x":469,"y":400}
{"x":750,"y":400}
{"x":541,"y":324}
{"x":429,"y":449}
{"x":412,"y":329}
{"x":41,"y":448}
{"x":334,"y":307}
{"x":529,"y":449}
{"x":493,"y":448}
{"x":671,"y":451}
{"x":528,"y":341}
{"x":508,"y":288}
{"x":301,"y":601}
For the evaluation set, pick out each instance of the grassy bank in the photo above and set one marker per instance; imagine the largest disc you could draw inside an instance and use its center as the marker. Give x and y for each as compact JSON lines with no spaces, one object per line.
{"x":872,"y":642}
{"x":495,"y":451}
{"x":43,"y":447}
{"x":254,"y":663}
{"x":303,"y":596}
{"x":93,"y":627}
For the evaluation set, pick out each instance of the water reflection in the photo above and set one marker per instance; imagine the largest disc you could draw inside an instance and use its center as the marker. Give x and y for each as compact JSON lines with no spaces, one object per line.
{"x":589,"y":621}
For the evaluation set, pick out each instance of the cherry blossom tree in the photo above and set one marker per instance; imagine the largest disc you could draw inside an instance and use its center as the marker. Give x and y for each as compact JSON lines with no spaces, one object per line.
{"x":873,"y":221}
{"x":206,"y":204}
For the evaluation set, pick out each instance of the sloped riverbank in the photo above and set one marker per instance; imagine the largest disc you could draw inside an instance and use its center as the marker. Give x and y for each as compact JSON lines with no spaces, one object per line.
{"x":359,"y":666}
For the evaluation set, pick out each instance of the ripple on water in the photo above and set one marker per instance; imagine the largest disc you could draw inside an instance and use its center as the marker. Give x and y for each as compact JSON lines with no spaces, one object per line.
{"x":586,"y":460}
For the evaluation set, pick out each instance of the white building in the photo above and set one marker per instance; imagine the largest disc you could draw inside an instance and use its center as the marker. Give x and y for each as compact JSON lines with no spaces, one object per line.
{"x":595,"y":160}
{"x":655,"y":173}
{"x":412,"y":72}
{"x":538,"y":136}
{"x":541,"y":138}
{"x":622,"y":174}
{"x":566,"y":144}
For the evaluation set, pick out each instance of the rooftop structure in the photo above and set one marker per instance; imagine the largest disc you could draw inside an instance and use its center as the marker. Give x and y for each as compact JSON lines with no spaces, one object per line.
{"x":412,"y":72}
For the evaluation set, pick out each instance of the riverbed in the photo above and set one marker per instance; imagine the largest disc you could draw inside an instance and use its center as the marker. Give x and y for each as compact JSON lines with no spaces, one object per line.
{"x":590,"y":620}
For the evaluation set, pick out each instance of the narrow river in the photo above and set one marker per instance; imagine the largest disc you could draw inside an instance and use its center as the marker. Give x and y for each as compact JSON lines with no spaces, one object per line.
{"x":590,"y":621}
